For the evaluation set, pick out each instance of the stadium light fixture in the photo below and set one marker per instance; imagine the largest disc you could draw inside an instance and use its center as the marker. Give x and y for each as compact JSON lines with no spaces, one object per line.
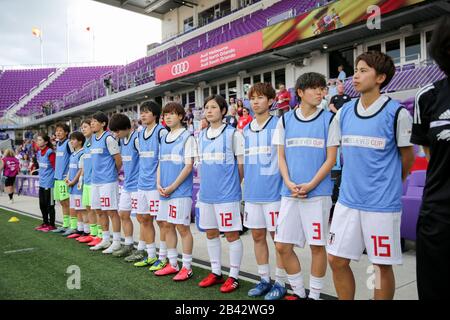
{"x":325,"y":46}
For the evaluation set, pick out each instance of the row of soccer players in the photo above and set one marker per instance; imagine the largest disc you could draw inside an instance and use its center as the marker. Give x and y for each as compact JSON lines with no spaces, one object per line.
{"x":286,"y":164}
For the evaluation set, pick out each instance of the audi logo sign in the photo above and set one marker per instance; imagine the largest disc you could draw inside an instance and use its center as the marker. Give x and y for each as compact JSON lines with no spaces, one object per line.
{"x":180,"y":68}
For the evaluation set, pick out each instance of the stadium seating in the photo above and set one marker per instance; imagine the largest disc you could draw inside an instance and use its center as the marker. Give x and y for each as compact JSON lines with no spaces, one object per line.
{"x":411,"y":202}
{"x":407,"y":78}
{"x":16,"y":83}
{"x":70,"y":79}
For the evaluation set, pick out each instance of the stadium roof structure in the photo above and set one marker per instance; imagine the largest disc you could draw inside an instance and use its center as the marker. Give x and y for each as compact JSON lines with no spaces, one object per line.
{"x":152,"y":8}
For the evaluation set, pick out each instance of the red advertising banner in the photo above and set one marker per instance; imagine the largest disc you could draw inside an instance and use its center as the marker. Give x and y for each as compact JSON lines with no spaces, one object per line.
{"x":226,"y":52}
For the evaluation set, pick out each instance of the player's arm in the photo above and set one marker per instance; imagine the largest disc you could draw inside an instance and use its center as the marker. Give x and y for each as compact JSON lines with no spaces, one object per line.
{"x":75,"y":179}
{"x":407,"y":155}
{"x":238,"y":149}
{"x":284,"y":171}
{"x":324,"y":170}
{"x":181,"y":177}
{"x":332,"y":108}
{"x":426,"y":149}
{"x":118,"y":161}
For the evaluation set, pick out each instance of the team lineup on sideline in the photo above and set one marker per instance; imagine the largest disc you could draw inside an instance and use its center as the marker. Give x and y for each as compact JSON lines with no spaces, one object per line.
{"x":289,"y":154}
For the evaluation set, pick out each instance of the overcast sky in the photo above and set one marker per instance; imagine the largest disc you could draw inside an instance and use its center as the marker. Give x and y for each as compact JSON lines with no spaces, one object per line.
{"x":120,"y":36}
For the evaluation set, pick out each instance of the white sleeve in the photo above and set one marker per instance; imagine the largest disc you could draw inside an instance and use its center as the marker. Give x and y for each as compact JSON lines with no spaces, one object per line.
{"x":238,"y":143}
{"x":136,"y":144}
{"x":404,"y":128}
{"x":190,"y":148}
{"x":113,"y":146}
{"x":81,"y":162}
{"x":278,"y":135}
{"x":334,"y":131}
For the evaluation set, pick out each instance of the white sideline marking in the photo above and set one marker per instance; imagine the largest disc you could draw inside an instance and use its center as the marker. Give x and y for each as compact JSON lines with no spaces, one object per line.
{"x":20,"y":250}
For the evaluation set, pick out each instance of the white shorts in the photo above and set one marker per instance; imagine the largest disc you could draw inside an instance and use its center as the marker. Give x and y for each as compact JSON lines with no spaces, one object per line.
{"x":223,"y":216}
{"x":105,"y":196}
{"x":75,"y":202}
{"x":303,"y":220}
{"x":128,"y":201}
{"x":148,"y":202}
{"x":261,"y":215}
{"x":354,"y":230}
{"x":175,"y":211}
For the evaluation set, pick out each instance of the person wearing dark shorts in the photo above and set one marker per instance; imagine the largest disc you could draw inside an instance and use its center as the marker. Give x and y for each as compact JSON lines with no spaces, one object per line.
{"x":46,"y":158}
{"x":10,"y":166}
{"x":431,"y":129}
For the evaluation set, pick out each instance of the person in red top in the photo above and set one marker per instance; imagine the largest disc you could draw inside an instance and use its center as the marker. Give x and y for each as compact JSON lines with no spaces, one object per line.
{"x":283,"y":97}
{"x":10,"y":166}
{"x":245,"y":119}
{"x":46,"y":158}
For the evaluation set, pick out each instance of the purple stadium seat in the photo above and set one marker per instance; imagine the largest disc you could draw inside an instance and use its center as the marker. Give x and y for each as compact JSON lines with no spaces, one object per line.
{"x":411,"y":202}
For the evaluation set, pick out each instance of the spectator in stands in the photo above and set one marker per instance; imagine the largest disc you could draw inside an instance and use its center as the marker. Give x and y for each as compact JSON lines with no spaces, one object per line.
{"x":34,"y":166}
{"x":232,"y":103}
{"x":231,"y":118}
{"x":324,"y":103}
{"x":283,"y":97}
{"x":338,"y":100}
{"x":332,"y":87}
{"x":10,"y":166}
{"x":342,"y":75}
{"x":245,"y":119}
{"x":432,"y":131}
{"x":188,"y":118}
{"x":24,"y":164}
{"x":239,"y":107}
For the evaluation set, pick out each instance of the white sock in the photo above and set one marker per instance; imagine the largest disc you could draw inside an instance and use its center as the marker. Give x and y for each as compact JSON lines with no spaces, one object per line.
{"x":215,"y":255}
{"x":162,"y":250}
{"x":87,"y":228}
{"x":280,"y":276}
{"x":172,"y":254}
{"x":151,"y":250}
{"x":264,"y":272}
{"x":106,"y":236}
{"x":141,"y":245}
{"x":116,"y":236}
{"x":128,"y":241}
{"x":80,"y":226}
{"x":236,"y":251}
{"x":315,"y":287}
{"x":187,"y":261}
{"x":296,"y":282}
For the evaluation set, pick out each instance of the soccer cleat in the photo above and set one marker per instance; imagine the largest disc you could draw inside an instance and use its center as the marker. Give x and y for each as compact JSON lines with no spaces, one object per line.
{"x":48,"y":229}
{"x":59,"y":230}
{"x":230,"y":285}
{"x":260,"y":289}
{"x":85,"y":239}
{"x":168,"y":269}
{"x":136,"y":256}
{"x":125,"y":251}
{"x":104,"y":244}
{"x":276,"y":293}
{"x":158,"y":265}
{"x":183,"y":275}
{"x":41,"y":226}
{"x":146,"y":262}
{"x":211,"y":280}
{"x":74,"y":235}
{"x":69,"y":232}
{"x":113,"y":248}
{"x":95,"y":242}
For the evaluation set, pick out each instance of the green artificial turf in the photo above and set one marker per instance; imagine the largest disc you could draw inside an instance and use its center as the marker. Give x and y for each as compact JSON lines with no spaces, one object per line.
{"x":41,"y":273}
